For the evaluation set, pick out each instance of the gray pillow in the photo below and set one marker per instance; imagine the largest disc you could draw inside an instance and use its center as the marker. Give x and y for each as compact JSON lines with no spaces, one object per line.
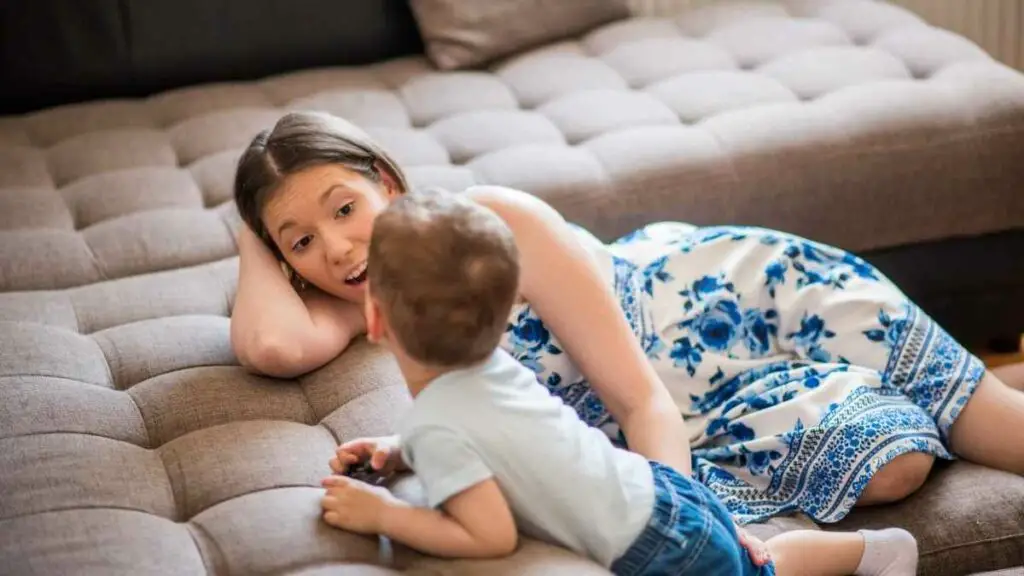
{"x":467,"y":33}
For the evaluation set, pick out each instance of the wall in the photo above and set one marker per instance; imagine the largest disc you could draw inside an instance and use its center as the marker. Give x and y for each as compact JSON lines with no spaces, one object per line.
{"x":995,"y":25}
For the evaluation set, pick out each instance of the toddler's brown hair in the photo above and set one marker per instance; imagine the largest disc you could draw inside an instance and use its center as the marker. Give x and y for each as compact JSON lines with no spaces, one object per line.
{"x":444,"y":271}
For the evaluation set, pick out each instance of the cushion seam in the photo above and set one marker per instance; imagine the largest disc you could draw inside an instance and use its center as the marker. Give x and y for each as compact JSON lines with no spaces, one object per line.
{"x":86,"y":507}
{"x":95,"y":259}
{"x":54,"y":376}
{"x":302,"y":385}
{"x":193,"y":529}
{"x":212,"y":504}
{"x":312,"y":409}
{"x":145,"y":424}
{"x":974,"y":543}
{"x":75,"y":433}
{"x":78,"y":319}
{"x":116,"y":353}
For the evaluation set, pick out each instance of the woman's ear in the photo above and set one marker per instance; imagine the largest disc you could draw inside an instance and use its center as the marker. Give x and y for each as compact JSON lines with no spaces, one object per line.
{"x":391,"y":186}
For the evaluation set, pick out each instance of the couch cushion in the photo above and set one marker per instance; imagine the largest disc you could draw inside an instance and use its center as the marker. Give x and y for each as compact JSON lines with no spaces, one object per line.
{"x":846,"y":120}
{"x":464,"y":33}
{"x":893,"y":132}
{"x":968,"y":519}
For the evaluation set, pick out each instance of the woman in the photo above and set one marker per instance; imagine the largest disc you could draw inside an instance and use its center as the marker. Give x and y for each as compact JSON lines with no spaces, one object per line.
{"x":801,"y":377}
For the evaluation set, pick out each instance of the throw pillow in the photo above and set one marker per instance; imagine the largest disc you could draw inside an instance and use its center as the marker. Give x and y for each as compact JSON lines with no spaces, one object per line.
{"x":465,"y":33}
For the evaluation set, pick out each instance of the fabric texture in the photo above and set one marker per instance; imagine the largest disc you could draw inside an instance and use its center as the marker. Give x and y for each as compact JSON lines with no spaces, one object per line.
{"x":468,"y":33}
{"x":128,"y":48}
{"x":799,"y":368}
{"x":690,"y":532}
{"x":444,"y":460}
{"x":119,"y":265}
{"x":492,"y":420}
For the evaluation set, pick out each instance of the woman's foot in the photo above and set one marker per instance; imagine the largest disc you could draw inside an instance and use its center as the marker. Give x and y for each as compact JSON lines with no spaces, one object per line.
{"x":889,"y":552}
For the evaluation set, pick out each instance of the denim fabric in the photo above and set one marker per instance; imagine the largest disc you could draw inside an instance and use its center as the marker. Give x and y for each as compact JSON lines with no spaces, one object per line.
{"x":690,"y":532}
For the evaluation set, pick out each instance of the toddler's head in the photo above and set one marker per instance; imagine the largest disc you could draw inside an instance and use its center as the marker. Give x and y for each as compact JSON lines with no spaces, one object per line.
{"x":442,"y":276}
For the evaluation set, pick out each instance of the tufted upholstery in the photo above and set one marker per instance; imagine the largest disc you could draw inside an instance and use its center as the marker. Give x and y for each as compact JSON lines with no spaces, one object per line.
{"x":130,"y":438}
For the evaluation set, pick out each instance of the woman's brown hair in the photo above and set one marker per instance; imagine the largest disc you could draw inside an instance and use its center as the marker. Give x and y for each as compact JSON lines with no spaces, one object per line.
{"x":297,"y":141}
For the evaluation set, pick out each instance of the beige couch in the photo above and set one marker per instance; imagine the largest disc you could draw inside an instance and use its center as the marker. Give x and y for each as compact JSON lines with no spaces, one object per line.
{"x":132,"y":443}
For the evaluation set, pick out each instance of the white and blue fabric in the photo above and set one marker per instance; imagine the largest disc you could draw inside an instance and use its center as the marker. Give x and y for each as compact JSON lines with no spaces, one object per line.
{"x":800,"y":369}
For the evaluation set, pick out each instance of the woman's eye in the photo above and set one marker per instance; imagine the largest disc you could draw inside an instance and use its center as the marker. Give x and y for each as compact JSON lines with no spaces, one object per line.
{"x":302,"y":243}
{"x":346,"y":209}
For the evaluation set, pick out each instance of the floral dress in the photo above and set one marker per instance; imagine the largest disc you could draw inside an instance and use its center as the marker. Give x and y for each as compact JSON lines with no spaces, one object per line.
{"x":799,"y":369}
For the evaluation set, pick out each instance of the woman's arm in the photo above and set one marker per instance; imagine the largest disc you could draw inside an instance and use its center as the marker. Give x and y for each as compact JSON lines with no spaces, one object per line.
{"x":276,"y":332}
{"x":589,"y":323}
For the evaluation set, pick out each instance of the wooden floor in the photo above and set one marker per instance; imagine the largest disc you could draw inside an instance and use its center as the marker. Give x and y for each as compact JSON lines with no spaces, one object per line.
{"x":993,"y":360}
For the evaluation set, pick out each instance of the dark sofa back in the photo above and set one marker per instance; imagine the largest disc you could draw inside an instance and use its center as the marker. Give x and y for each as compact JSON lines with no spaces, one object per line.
{"x":59,"y":51}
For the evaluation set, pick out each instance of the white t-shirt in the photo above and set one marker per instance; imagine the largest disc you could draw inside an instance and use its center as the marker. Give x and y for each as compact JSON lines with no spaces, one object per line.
{"x":564,"y":481}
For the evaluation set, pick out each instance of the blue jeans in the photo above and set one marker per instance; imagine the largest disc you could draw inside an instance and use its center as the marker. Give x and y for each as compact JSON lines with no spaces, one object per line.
{"x":690,"y":532}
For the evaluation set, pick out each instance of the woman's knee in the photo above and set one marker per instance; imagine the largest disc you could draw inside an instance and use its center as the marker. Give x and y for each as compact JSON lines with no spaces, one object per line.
{"x":898,"y":479}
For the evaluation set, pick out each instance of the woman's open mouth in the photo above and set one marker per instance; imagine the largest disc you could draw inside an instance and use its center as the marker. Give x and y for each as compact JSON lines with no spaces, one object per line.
{"x":357,"y":276}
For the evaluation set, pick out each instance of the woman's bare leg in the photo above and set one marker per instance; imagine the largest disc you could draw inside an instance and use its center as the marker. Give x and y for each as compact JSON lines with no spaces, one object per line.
{"x":1012,"y":375}
{"x":898,"y":479}
{"x":990,"y":430}
{"x":995,"y":411}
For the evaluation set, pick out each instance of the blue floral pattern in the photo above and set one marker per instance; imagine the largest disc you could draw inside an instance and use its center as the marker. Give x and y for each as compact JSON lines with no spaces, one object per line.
{"x":804,"y":370}
{"x":808,"y":339}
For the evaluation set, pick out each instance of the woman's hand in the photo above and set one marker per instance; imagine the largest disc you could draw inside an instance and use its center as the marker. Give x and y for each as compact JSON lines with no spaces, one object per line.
{"x":384,"y":455}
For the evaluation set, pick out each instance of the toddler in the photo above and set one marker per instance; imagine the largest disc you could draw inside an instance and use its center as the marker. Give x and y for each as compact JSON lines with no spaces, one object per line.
{"x":498,"y":454}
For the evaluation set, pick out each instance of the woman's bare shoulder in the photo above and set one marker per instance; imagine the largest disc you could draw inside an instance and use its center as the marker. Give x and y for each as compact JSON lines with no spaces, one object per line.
{"x":488,"y":193}
{"x":522,"y":211}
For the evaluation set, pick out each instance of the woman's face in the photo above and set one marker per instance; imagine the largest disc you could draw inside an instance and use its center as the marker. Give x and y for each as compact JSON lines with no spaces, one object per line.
{"x":321,"y":219}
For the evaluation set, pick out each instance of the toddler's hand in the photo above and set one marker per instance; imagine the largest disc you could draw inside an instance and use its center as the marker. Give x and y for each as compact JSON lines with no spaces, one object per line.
{"x":353,"y":505}
{"x":758,"y":550}
{"x":383,"y":453}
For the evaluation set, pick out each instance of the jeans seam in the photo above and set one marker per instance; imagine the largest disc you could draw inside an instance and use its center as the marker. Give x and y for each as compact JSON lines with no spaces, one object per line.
{"x":705,"y":530}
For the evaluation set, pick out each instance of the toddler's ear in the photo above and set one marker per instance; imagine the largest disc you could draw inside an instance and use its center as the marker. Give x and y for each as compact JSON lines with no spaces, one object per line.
{"x":374,"y":322}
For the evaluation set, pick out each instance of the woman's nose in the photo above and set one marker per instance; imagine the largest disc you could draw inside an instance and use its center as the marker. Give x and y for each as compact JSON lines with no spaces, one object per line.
{"x":338,"y":250}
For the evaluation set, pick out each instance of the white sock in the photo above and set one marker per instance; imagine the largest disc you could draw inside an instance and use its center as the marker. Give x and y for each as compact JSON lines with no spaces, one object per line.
{"x":889,"y":552}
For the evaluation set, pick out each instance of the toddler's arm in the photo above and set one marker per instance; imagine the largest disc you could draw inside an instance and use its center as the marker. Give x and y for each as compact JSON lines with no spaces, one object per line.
{"x":467,"y":514}
{"x":474,"y":523}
